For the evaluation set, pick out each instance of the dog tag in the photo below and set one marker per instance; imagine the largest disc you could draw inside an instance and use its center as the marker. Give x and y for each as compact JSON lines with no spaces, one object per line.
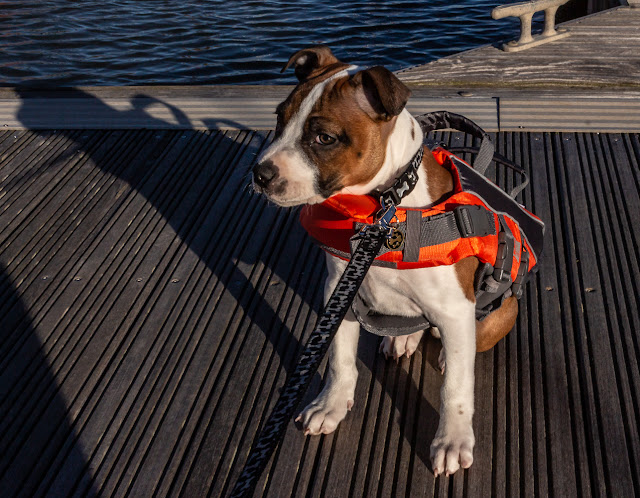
{"x":395,"y":241}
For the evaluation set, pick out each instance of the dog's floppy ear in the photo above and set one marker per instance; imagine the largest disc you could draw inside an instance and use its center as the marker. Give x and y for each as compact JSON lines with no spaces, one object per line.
{"x":383,"y":94}
{"x":309,"y":59}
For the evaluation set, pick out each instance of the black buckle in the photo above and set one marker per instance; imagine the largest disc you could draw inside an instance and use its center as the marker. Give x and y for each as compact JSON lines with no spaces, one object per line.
{"x":474,"y":221}
{"x":504,"y":258}
{"x":523,"y":272}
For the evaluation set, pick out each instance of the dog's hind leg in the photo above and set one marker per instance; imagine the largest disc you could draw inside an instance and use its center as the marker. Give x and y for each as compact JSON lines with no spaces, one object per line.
{"x":497,"y":325}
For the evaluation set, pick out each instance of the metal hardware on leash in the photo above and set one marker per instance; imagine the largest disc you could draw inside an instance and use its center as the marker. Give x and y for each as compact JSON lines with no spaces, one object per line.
{"x":387,"y":217}
{"x":384,"y":218}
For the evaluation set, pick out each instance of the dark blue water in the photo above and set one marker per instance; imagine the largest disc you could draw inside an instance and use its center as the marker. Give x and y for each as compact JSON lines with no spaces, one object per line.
{"x":134,"y":42}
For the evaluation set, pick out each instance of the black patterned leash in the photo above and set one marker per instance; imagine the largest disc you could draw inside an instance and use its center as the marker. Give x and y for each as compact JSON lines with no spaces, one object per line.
{"x":371,"y":239}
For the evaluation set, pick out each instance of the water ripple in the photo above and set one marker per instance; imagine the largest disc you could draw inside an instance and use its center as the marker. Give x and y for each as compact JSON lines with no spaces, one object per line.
{"x":127,"y":42}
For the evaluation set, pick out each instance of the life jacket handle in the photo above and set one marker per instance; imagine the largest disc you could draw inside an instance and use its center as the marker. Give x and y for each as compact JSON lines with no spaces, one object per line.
{"x":445,"y":120}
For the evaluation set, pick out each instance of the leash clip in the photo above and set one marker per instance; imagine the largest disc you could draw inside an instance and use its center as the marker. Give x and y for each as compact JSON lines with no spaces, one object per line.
{"x":383,"y":221}
{"x":385,"y":217}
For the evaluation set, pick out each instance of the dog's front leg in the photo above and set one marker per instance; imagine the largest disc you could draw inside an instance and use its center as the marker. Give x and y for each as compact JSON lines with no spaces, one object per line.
{"x":453,"y":445}
{"x":324,"y":413}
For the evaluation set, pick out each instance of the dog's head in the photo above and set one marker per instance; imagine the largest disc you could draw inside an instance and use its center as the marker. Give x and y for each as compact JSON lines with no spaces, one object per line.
{"x":331,"y":131}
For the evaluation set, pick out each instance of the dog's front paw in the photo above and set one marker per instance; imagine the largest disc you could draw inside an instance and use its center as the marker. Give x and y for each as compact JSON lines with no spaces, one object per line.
{"x":324,"y":413}
{"x":452,"y":449}
{"x":400,"y":345}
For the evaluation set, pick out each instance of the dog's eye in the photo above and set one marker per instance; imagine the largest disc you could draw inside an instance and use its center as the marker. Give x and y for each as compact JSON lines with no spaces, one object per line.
{"x":324,"y":139}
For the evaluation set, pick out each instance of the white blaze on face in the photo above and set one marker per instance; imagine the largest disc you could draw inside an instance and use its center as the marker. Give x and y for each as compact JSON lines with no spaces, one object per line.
{"x":287,"y":155}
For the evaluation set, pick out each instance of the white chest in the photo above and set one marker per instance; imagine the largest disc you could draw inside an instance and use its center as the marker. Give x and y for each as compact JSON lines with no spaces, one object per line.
{"x":429,"y":292}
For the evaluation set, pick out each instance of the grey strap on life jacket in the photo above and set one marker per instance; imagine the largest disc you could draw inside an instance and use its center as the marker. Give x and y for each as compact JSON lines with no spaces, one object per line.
{"x":386,"y":325}
{"x":499,"y":159}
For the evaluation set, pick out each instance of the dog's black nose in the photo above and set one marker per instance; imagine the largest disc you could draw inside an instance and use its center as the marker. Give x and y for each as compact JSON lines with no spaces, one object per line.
{"x":264,"y":173}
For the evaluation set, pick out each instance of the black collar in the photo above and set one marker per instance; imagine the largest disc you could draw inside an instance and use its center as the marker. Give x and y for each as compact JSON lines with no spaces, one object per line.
{"x":404,"y":184}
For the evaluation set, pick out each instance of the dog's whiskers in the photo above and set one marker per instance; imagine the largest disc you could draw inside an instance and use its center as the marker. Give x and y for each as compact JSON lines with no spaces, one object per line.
{"x":247,"y":186}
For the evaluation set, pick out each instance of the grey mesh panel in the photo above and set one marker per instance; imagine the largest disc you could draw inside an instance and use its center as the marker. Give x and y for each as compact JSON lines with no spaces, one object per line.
{"x":439,"y":229}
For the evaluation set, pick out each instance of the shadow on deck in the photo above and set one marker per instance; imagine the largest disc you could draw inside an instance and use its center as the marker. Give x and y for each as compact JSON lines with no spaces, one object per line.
{"x":151,"y":307}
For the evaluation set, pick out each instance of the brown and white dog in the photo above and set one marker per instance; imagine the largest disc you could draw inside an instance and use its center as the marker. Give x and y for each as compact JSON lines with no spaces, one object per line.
{"x":345,"y":130}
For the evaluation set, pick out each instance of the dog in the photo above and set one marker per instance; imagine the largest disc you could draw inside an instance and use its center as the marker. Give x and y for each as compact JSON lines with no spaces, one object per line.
{"x":347,"y":130}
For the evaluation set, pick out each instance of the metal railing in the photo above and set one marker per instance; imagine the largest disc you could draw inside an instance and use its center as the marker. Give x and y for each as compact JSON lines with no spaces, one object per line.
{"x":525,"y":11}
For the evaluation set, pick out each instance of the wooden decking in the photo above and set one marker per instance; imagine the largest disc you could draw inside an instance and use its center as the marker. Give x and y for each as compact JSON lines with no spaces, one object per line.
{"x":151,"y":307}
{"x":601,"y":54}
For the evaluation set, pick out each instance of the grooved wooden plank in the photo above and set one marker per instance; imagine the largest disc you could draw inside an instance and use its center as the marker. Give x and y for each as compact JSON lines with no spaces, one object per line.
{"x":553,"y":431}
{"x":402,"y":470}
{"x":395,"y":432}
{"x":579,"y":349}
{"x":67,"y":255}
{"x":524,"y":434}
{"x":12,"y":346}
{"x":48,"y":286}
{"x":10,"y":140}
{"x":68,"y":205}
{"x":4,"y":136}
{"x":562,"y":431}
{"x":29,"y":223}
{"x":39,"y":386}
{"x":214,"y":439}
{"x":22,"y":160}
{"x":230,"y":349}
{"x":33,"y":184}
{"x":15,"y":142}
{"x":289,"y":453}
{"x":173,"y":373}
{"x":16,"y":265}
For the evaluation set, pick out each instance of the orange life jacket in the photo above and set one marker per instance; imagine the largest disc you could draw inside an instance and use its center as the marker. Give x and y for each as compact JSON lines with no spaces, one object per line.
{"x":332,"y":224}
{"x":478,"y":219}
